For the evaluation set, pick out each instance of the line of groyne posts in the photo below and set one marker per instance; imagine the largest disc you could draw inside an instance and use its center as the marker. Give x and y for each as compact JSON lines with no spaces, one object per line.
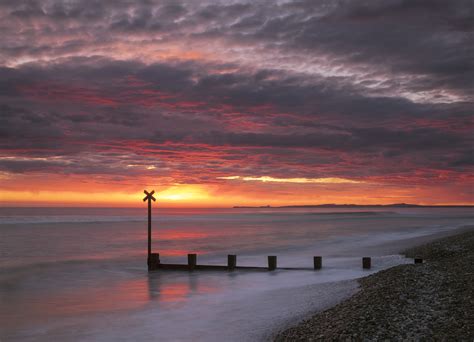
{"x":154,"y":263}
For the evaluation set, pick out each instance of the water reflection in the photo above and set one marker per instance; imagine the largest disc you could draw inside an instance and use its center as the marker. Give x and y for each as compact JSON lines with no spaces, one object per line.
{"x":84,"y":296}
{"x":181,"y":235}
{"x":176,"y":288}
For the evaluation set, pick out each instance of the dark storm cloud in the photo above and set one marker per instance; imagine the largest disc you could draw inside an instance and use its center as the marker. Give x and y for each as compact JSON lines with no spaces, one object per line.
{"x":296,"y":87}
{"x":427,"y":41}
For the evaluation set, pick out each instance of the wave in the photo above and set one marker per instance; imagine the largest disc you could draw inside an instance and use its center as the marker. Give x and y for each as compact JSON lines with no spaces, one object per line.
{"x":42,"y":219}
{"x":68,"y":219}
{"x":82,"y":264}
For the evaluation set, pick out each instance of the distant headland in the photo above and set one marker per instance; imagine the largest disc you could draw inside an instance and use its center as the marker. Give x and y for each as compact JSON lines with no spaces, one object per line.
{"x":395,"y":205}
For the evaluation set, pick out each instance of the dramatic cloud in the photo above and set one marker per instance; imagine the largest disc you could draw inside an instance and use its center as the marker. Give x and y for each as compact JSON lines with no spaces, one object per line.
{"x":334,"y":96}
{"x":293,"y":180}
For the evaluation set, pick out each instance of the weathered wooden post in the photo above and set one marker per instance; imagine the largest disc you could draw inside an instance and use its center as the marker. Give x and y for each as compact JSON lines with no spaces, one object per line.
{"x":154,"y":261}
{"x":366,"y":263}
{"x":272,"y":262}
{"x":192,"y":261}
{"x":318,"y":262}
{"x":231,"y":262}
{"x":418,"y":260}
{"x":149,"y":197}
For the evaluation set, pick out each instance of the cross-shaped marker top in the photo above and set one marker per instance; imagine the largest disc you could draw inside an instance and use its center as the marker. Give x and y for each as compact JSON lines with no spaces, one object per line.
{"x":149,"y":195}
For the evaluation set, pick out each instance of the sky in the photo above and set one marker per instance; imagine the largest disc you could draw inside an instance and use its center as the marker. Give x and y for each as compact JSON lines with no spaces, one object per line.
{"x":220,"y":103}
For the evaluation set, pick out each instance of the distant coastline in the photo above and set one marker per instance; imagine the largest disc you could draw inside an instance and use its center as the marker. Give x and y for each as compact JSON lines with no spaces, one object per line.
{"x":395,"y":205}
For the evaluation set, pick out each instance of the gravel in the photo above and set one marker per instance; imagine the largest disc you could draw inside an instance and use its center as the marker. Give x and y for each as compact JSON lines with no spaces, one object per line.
{"x":429,"y":301}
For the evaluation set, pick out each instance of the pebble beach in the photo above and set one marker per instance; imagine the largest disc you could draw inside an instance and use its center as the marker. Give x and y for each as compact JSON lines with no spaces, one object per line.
{"x":429,"y":301}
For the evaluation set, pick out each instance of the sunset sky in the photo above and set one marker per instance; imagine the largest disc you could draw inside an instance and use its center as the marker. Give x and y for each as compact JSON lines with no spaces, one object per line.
{"x":220,"y":103}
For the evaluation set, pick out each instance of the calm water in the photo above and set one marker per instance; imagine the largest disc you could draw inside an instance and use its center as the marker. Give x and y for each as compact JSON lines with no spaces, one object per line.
{"x":80,"y":273}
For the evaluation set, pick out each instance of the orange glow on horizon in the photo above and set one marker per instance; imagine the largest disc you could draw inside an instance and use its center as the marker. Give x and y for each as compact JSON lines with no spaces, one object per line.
{"x":244,"y":193}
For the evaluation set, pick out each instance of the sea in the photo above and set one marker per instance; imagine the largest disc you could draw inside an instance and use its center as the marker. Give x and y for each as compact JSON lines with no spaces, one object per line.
{"x":79,"y":274}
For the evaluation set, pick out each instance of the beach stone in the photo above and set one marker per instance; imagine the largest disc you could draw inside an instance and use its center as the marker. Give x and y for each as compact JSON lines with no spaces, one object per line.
{"x":429,"y":301}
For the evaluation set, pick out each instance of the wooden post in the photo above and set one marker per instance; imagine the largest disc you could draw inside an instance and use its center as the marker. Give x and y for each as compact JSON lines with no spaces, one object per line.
{"x":149,"y":227}
{"x":153,"y":261}
{"x":318,"y":262}
{"x":272,"y":262}
{"x":366,"y":263}
{"x":418,"y":260}
{"x":231,"y":261}
{"x":149,"y":197}
{"x":192,"y":260}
